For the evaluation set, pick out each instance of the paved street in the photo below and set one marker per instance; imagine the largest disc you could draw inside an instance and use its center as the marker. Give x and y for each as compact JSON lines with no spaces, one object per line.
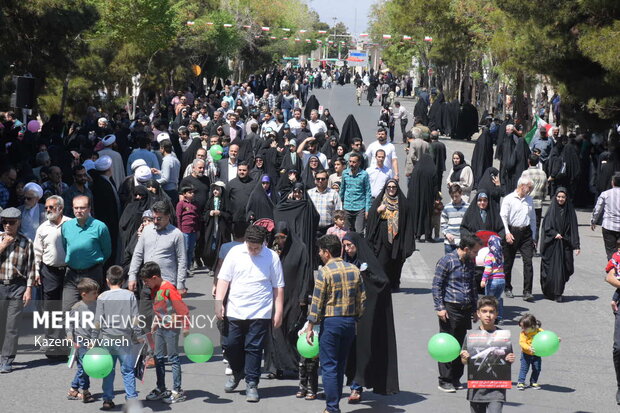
{"x":579,"y":378}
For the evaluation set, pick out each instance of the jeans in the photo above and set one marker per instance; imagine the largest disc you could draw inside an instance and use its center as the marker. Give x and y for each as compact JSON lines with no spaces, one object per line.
{"x":127,"y":361}
{"x":459,"y":321}
{"x":190,"y":245}
{"x":486,"y":407}
{"x":448,"y":248}
{"x":11,"y":307}
{"x":403,"y":128}
{"x":287,"y":114}
{"x":610,"y":239}
{"x":166,"y":344}
{"x":356,"y":220}
{"x":81,"y":379}
{"x":526,"y":362}
{"x":335,"y":339}
{"x":522,"y":242}
{"x":495,"y":287}
{"x":244,"y":347}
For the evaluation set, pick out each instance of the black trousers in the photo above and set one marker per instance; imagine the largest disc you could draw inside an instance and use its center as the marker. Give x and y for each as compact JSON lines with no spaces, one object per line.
{"x":524,"y":243}
{"x":610,"y":238}
{"x":403,"y":129}
{"x":538,"y":212}
{"x":616,"y":348}
{"x":11,"y":307}
{"x":459,"y":321}
{"x":52,"y":280}
{"x":70,"y":293}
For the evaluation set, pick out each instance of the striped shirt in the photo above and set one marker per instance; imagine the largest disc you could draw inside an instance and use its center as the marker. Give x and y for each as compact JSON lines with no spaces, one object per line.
{"x":326,"y":203}
{"x":451,"y":218}
{"x":608,"y":208}
{"x":338,"y":292}
{"x":539,"y":177}
{"x":491,"y":269}
{"x":454,"y":282}
{"x":17,"y":260}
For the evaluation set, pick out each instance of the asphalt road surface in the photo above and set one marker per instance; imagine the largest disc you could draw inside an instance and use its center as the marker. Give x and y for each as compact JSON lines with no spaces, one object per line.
{"x":579,"y":378}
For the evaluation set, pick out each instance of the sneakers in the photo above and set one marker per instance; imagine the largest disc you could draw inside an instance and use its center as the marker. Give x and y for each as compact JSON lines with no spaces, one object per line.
{"x":508,"y":293}
{"x":157,"y":394}
{"x":6,"y":368}
{"x":520,"y":386}
{"x":175,"y":397}
{"x":228,"y":371}
{"x":535,"y":386}
{"x":528,"y":297}
{"x":446,"y":387}
{"x":231,"y":383}
{"x":251,"y":393}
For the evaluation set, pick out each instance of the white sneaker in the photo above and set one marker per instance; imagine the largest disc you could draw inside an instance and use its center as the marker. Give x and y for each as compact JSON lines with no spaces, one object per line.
{"x":228,"y":371}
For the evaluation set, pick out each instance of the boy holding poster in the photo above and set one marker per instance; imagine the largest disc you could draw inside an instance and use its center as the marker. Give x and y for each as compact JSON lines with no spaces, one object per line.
{"x":488,"y":355}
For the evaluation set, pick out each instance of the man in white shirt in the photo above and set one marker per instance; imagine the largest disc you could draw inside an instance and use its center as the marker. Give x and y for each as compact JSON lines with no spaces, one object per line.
{"x":390,"y":151}
{"x":401,"y":114}
{"x":252,"y":276}
{"x":313,"y":150}
{"x":519,"y":218}
{"x":268,"y":125}
{"x":295,"y":121}
{"x":378,"y":174}
{"x":315,"y":124}
{"x":49,"y":255}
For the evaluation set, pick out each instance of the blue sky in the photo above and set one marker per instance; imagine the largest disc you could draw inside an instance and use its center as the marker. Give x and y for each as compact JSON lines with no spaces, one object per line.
{"x":344,"y":11}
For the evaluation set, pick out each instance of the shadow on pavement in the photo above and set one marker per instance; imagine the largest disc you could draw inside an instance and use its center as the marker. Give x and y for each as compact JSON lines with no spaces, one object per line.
{"x":276,"y":391}
{"x":389,"y":404}
{"x":557,"y":389}
{"x":211,"y":398}
{"x":415,"y":290}
{"x":569,"y":298}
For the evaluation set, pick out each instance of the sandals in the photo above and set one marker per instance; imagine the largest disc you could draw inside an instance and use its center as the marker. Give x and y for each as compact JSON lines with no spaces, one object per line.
{"x":310,"y":396}
{"x":87,"y":397}
{"x":301,"y":394}
{"x":74,"y":394}
{"x":108,"y":405}
{"x":355,"y":397}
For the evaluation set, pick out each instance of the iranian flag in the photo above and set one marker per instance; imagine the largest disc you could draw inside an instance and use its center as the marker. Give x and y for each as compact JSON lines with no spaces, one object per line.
{"x":387,"y":36}
{"x":533,"y":133}
{"x":265,"y":29}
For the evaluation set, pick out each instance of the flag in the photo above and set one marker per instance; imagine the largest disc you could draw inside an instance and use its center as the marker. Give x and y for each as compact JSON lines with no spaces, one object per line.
{"x":308,"y":41}
{"x":321,"y":31}
{"x":428,"y":39}
{"x":265,"y":29}
{"x":227,"y":25}
{"x":209,"y":23}
{"x":533,"y":134}
{"x":286,"y":30}
{"x":246,"y":26}
{"x":387,"y":36}
{"x":273,"y":37}
{"x":303,"y":31}
{"x":189,"y":23}
{"x":406,"y":37}
{"x":363,"y":34}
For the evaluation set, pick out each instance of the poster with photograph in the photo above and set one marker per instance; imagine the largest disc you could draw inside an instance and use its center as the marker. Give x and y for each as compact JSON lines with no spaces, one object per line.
{"x":487,"y":367}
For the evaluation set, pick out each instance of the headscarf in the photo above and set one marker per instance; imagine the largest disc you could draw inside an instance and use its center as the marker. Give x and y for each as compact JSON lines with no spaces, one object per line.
{"x":390,"y":214}
{"x":495,"y":248}
{"x":308,"y":173}
{"x":456,"y":169}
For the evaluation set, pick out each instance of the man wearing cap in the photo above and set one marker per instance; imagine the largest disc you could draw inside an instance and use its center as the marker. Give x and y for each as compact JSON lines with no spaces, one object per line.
{"x":17,"y":275}
{"x":79,"y":187}
{"x":118,"y":168}
{"x":107,"y":205}
{"x":87,"y":246}
{"x":49,"y":256}
{"x":143,"y":151}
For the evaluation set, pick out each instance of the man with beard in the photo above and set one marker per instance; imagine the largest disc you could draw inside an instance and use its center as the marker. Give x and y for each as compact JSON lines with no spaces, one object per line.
{"x":315,"y":124}
{"x":106,"y":205}
{"x":239,"y":190}
{"x":227,"y":167}
{"x":214,"y":123}
{"x":49,"y":255}
{"x":391,"y":159}
{"x":200,"y":182}
{"x":79,"y":187}
{"x":111,"y":150}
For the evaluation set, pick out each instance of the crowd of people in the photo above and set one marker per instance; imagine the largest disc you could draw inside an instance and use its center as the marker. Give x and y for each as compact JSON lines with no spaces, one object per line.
{"x":297,"y":219}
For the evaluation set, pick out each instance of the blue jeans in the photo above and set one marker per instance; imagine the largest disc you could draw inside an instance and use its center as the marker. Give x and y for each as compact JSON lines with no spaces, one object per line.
{"x":81,"y":379}
{"x":448,"y":248}
{"x":495,"y":287}
{"x":288,"y":113}
{"x":166,"y":344}
{"x":190,"y":245}
{"x":127,"y":361}
{"x":526,"y":362}
{"x":335,"y":339}
{"x":244,"y":347}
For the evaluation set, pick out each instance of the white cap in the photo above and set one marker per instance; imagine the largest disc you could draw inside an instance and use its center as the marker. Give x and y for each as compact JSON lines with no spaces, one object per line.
{"x":138,"y":162}
{"x":162,"y":137}
{"x":102,"y":120}
{"x":103,"y":163}
{"x":34,"y":187}
{"x":143,"y":174}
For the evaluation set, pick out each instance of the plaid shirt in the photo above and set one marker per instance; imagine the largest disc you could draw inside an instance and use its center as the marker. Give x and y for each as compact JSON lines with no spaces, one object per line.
{"x":338,"y":292}
{"x":17,"y":260}
{"x":539,"y":177}
{"x":454,"y":282}
{"x":326,"y":203}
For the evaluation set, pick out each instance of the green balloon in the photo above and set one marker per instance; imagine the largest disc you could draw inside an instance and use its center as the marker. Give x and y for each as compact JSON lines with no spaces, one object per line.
{"x":545,"y":343}
{"x":306,"y":350}
{"x":98,"y":362}
{"x":443,"y":347}
{"x":198,"y":348}
{"x":216,"y":152}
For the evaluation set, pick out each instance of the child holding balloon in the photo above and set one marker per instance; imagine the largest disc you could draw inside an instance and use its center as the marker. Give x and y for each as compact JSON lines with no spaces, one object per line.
{"x":530,"y":326}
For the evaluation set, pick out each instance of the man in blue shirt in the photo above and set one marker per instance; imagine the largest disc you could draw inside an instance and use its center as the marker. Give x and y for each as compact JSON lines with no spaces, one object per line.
{"x":355,"y":194}
{"x":142,"y":152}
{"x":455,"y":296}
{"x":88,"y":245}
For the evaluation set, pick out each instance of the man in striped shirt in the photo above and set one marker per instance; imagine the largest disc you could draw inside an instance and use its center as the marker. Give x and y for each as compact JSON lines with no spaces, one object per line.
{"x":451,"y":218}
{"x":607,"y":212}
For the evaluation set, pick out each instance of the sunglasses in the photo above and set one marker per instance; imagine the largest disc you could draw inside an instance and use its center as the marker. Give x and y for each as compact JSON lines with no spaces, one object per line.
{"x":320,"y":179}
{"x":50,"y":207}
{"x":391,"y":187}
{"x":7,"y":222}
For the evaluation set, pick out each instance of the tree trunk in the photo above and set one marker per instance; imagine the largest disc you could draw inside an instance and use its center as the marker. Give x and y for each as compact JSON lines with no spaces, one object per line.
{"x":63,"y":99}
